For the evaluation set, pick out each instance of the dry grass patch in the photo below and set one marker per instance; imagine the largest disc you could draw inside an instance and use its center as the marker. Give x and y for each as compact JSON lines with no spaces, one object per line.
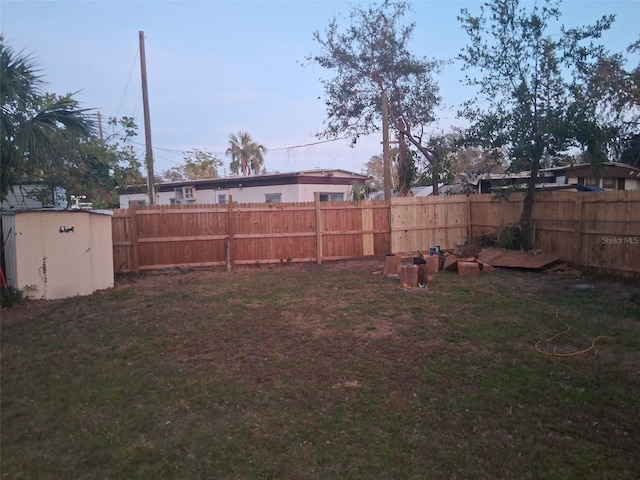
{"x":322,"y":371}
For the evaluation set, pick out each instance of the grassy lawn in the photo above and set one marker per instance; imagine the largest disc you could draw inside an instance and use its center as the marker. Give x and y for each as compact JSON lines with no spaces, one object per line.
{"x":323,"y":372}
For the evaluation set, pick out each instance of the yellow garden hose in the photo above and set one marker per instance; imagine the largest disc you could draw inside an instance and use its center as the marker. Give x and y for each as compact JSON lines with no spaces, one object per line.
{"x":569,"y":354}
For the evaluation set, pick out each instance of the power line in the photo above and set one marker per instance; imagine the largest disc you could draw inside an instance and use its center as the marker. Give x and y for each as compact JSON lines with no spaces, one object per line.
{"x":304,"y":145}
{"x":319,"y":142}
{"x":135,"y":60}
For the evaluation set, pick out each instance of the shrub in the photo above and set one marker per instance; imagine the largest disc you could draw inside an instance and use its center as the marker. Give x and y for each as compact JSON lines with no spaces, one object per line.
{"x":9,"y":296}
{"x":510,"y":237}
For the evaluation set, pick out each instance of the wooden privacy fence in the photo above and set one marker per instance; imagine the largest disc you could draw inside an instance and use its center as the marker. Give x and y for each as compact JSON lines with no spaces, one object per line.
{"x":203,"y":235}
{"x":592,"y":229}
{"x":600,"y":230}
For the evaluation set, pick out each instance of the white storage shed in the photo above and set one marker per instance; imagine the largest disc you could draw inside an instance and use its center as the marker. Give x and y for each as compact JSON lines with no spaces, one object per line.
{"x":53,"y":254}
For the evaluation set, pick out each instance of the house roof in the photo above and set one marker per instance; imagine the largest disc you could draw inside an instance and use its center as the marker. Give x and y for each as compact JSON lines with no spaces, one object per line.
{"x":475,"y":179}
{"x":314,"y":177}
{"x":607,"y":169}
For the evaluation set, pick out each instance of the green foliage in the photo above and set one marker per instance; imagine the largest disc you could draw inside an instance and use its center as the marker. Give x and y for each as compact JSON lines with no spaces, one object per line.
{"x":631,"y":151}
{"x":532,"y":85}
{"x":407,"y":165}
{"x":371,"y":62}
{"x":374,"y":169}
{"x":9,"y":296}
{"x":440,"y":171}
{"x":613,"y":97}
{"x":198,"y":165}
{"x":31,"y":120}
{"x":361,"y":191}
{"x":247,"y":156}
{"x":47,"y":138}
{"x":510,"y":237}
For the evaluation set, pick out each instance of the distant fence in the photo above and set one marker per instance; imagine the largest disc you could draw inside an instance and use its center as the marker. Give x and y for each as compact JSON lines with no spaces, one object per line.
{"x":600,"y":230}
{"x":203,"y":235}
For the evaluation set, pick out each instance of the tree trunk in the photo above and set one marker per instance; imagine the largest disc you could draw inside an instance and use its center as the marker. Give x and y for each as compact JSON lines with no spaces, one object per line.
{"x":527,"y":240}
{"x":436,"y":176}
{"x":404,"y":130}
{"x":386,"y":155}
{"x":403,"y":187}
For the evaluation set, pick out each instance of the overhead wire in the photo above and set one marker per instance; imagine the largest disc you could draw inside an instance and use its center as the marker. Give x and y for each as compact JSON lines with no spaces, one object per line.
{"x":173,"y":150}
{"x":127,"y":85}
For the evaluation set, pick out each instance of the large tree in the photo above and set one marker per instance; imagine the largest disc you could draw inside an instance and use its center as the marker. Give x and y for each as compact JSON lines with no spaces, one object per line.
{"x":531,"y":76}
{"x":92,"y":168}
{"x":31,"y":122}
{"x":377,"y":79}
{"x":613,"y":99}
{"x":247,"y":156}
{"x":198,"y":164}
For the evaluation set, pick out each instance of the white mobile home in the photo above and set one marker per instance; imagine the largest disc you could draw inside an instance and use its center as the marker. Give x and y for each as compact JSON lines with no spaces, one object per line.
{"x":332,"y":185}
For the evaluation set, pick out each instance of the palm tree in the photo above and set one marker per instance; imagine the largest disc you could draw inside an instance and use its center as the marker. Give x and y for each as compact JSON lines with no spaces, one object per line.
{"x":246,"y":155}
{"x":30,"y":119}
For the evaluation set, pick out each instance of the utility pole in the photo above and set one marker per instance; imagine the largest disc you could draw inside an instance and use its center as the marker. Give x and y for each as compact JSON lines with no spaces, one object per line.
{"x":386,"y":157}
{"x":151,"y":181}
{"x":100,"y":127}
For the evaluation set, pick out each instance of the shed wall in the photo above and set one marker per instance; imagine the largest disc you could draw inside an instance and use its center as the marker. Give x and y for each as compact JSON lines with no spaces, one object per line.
{"x":61,"y":254}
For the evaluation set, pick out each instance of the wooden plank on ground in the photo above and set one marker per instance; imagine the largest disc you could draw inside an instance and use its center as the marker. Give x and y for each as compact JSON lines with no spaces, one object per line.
{"x":501,"y":257}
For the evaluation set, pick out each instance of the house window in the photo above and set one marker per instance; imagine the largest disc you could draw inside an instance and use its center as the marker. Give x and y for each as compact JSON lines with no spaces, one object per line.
{"x":189,"y":193}
{"x":222,"y":198}
{"x":609,"y":183}
{"x":185,"y":195}
{"x":331,"y":197}
{"x":138,"y":203}
{"x":175,"y":201}
{"x":592,"y":182}
{"x":273,"y":197}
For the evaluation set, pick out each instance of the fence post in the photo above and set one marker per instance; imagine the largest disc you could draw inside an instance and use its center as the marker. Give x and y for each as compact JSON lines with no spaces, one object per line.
{"x":227,"y":250}
{"x":578,"y":229}
{"x":134,"y":238}
{"x":390,"y":220}
{"x":229,"y":246}
{"x":135,"y":254}
{"x":469,"y":228}
{"x":318,"y":228}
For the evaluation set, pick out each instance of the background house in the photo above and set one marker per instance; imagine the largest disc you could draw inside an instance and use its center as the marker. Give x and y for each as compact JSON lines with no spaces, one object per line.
{"x":610,"y":176}
{"x":26,"y":197}
{"x":333,"y":185}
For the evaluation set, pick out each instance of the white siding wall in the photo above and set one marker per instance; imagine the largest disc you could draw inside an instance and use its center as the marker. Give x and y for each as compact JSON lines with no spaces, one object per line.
{"x":288,"y":193}
{"x":19,"y":198}
{"x":127,"y":199}
{"x":308,"y":191}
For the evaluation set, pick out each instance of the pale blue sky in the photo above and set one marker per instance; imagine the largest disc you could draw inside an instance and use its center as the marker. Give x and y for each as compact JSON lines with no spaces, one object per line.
{"x":218,"y":67}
